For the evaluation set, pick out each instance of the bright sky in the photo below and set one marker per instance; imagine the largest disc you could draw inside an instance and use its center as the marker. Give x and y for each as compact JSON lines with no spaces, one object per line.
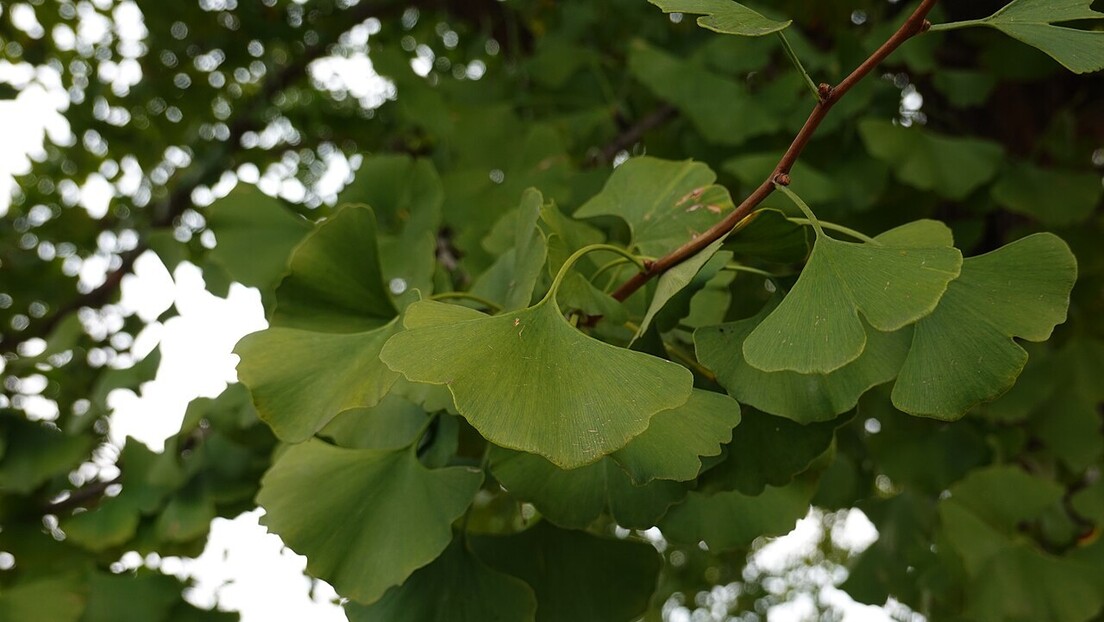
{"x":243,"y":567}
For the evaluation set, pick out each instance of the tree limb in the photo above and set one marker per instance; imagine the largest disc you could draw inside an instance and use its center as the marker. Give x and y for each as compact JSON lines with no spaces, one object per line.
{"x":915,"y":24}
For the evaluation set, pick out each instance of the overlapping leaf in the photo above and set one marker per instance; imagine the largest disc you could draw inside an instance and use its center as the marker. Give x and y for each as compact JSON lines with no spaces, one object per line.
{"x":676,"y":440}
{"x":1033,"y":22}
{"x":456,"y":587}
{"x":732,"y":520}
{"x":574,"y":499}
{"x":817,"y":329}
{"x":804,"y":398}
{"x":528,"y":380}
{"x":380,"y":516}
{"x":722,"y":109}
{"x":950,"y":167}
{"x":673,"y":281}
{"x":256,"y":233}
{"x":724,"y":16}
{"x":768,"y":234}
{"x":564,"y":567}
{"x":512,"y":277}
{"x":964,"y":353}
{"x":664,"y":202}
{"x":1053,"y":197}
{"x":333,"y":314}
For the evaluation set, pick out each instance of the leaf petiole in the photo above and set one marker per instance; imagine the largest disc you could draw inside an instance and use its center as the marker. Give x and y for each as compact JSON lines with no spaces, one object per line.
{"x":579,"y":254}
{"x":831,"y":226}
{"x":792,"y":55}
{"x":467,"y":296}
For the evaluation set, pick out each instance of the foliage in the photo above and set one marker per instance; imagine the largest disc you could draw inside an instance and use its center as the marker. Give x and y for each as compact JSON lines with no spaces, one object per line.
{"x":598,"y":270}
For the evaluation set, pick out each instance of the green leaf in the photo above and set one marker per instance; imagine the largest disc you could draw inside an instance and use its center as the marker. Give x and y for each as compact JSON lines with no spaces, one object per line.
{"x":403,"y":513}
{"x":528,"y":380}
{"x":964,"y":354}
{"x":768,"y":451}
{"x":665,"y":203}
{"x":112,"y":523}
{"x":732,"y":520}
{"x":574,"y":499}
{"x":724,"y":16}
{"x":677,"y":439}
{"x":679,"y":277}
{"x":393,"y":423}
{"x":1021,"y":584}
{"x":143,"y":596}
{"x":723,"y":110}
{"x":333,"y":314}
{"x":808,"y":182}
{"x":563,"y":567}
{"x":1053,"y":197}
{"x":816,"y":329}
{"x":256,"y":233}
{"x":300,"y":379}
{"x":36,"y":452}
{"x":768,"y":234}
{"x":511,"y":279}
{"x":1032,"y":22}
{"x":1005,"y":496}
{"x":456,"y":587}
{"x":334,"y":283}
{"x":57,"y":598}
{"x":950,"y":167}
{"x":804,"y":398}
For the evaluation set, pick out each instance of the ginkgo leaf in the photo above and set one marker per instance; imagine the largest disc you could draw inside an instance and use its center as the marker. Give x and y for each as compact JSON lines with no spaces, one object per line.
{"x":565,"y":568}
{"x":320,"y":356}
{"x":1032,"y":22}
{"x":393,"y":423}
{"x":255,"y":233}
{"x":723,"y":109}
{"x":334,"y":282}
{"x":769,"y":234}
{"x":964,"y":353}
{"x":528,"y":380}
{"x":768,"y":451}
{"x":732,"y":520}
{"x":1053,"y":197}
{"x":574,"y":499}
{"x":677,"y":278}
{"x":456,"y":587}
{"x":301,"y":379}
{"x":380,"y":516}
{"x":724,"y":16}
{"x":817,"y":330}
{"x":805,"y":398}
{"x":952,"y":167}
{"x":677,"y":439}
{"x":664,"y":202}
{"x":513,"y":276}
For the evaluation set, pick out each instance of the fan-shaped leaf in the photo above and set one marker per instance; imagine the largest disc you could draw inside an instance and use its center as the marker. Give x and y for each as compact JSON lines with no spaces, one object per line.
{"x":564,"y":568}
{"x":665,"y":203}
{"x":732,"y":520}
{"x":805,"y":398}
{"x":964,"y":354}
{"x":333,"y":314}
{"x":1032,"y":22}
{"x":528,"y":380}
{"x":724,"y":16}
{"x":816,"y":329}
{"x":950,"y":167}
{"x":380,"y":516}
{"x":575,"y":498}
{"x":677,"y":439}
{"x":456,"y":587}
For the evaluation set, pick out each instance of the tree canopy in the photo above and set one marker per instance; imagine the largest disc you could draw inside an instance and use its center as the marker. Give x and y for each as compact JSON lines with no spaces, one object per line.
{"x":613,"y":290}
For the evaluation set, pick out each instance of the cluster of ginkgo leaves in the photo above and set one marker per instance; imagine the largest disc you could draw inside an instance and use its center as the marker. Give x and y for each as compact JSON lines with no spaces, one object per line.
{"x":583,"y":405}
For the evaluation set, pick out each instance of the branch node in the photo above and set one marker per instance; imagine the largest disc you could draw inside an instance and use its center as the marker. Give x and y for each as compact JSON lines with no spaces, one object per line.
{"x":782,"y":179}
{"x":925,"y":25}
{"x":824,"y":90}
{"x":648,"y":265}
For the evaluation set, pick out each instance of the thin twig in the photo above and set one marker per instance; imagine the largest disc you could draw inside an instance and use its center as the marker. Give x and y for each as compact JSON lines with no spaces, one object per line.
{"x":915,"y":24}
{"x":633,"y":134}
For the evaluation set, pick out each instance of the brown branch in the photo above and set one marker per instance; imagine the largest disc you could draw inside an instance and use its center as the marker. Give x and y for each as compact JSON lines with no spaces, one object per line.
{"x":915,"y":24}
{"x":81,"y":496}
{"x":633,"y":134}
{"x":180,"y":199}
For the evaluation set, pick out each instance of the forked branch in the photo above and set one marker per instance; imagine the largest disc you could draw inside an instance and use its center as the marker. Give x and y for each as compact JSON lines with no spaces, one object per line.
{"x":914,"y":25}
